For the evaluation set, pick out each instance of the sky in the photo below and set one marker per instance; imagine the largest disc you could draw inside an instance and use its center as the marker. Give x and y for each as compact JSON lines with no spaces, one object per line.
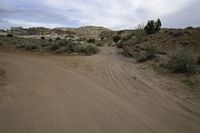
{"x":114,"y":14}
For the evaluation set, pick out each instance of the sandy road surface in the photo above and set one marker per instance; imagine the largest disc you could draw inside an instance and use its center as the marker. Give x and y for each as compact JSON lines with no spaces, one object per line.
{"x":103,"y":93}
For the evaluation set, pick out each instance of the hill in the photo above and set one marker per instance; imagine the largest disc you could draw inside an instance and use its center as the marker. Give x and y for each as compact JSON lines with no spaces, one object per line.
{"x":88,"y":32}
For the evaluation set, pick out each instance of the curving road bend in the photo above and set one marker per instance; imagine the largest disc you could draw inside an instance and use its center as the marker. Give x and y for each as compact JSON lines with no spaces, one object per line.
{"x":103,"y":93}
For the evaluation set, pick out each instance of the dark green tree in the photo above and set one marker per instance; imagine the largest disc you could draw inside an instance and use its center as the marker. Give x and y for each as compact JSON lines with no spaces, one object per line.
{"x":152,"y":27}
{"x":158,"y":25}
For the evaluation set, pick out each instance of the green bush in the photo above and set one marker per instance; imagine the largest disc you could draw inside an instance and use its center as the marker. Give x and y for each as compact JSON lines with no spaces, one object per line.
{"x":152,"y":27}
{"x":181,"y":59}
{"x":32,"y":46}
{"x":128,"y":37}
{"x":140,"y":35}
{"x":116,"y":38}
{"x":189,"y":28}
{"x":99,"y":44}
{"x":191,"y":82}
{"x":71,"y":45}
{"x":10,"y":35}
{"x":61,"y":50}
{"x":42,"y":38}
{"x":64,"y":45}
{"x":58,"y":38}
{"x":119,"y":44}
{"x":102,"y":38}
{"x":135,"y":37}
{"x":141,"y":56}
{"x":50,"y":40}
{"x":54,"y":46}
{"x":88,"y":49}
{"x":148,"y":53}
{"x":91,"y":41}
{"x":151,"y":51}
{"x":2,"y":36}
{"x":20,"y":46}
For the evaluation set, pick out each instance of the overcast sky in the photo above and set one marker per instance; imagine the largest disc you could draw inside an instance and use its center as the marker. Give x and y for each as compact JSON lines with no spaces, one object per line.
{"x":115,"y":14}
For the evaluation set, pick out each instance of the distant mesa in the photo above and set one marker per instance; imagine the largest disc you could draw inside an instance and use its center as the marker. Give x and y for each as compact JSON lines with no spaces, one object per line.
{"x":17,"y":28}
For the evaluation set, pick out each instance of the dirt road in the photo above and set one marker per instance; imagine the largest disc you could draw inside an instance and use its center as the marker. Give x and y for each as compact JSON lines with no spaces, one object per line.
{"x":103,"y":93}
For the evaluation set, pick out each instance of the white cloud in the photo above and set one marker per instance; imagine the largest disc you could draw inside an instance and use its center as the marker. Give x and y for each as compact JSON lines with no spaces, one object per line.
{"x":27,"y":24}
{"x":109,"y":13}
{"x":116,"y":13}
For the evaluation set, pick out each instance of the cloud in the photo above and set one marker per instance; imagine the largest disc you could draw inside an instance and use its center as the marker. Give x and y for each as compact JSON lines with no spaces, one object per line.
{"x":116,"y":14}
{"x":185,"y":17}
{"x":30,"y":24}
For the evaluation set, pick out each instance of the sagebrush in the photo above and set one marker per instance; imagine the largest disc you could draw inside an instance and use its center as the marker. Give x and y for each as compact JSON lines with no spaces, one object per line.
{"x":181,"y":59}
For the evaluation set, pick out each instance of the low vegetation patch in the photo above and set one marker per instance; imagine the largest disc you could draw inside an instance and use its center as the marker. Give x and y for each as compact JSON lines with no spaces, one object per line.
{"x":58,"y":38}
{"x":45,"y":45}
{"x":32,"y":46}
{"x":89,"y":49}
{"x":132,"y":38}
{"x":148,"y":53}
{"x":119,"y":44}
{"x":192,"y":82}
{"x":140,"y":35}
{"x":91,"y":40}
{"x":20,"y":46}
{"x":70,"y":46}
{"x":181,"y":59}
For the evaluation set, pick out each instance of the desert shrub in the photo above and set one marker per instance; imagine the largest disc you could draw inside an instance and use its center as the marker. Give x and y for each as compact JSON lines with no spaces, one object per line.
{"x":148,"y":53}
{"x":191,"y":82}
{"x":70,"y":45}
{"x":42,"y":38}
{"x":73,"y":46}
{"x":181,"y":59}
{"x":91,"y":40}
{"x":32,"y":46}
{"x":198,"y":60}
{"x":135,"y":37}
{"x":61,"y":50}
{"x":10,"y":35}
{"x":189,"y":28}
{"x":151,"y":51}
{"x":58,"y":38}
{"x":116,"y":38}
{"x":129,"y":36}
{"x":50,"y":40}
{"x":88,"y":49}
{"x":102,"y":38}
{"x":178,"y":34}
{"x":55,"y":46}
{"x":20,"y":45}
{"x":140,"y":56}
{"x":152,"y":27}
{"x":119,"y":44}
{"x":140,"y":35}
{"x":99,"y":44}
